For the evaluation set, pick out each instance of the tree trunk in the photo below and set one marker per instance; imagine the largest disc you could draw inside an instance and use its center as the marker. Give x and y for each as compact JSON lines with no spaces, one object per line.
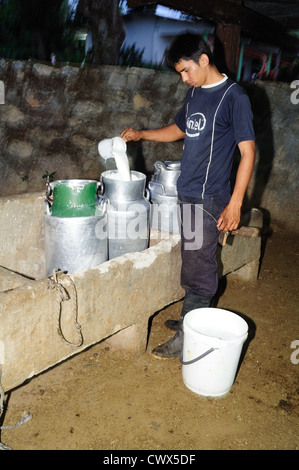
{"x":107,"y":28}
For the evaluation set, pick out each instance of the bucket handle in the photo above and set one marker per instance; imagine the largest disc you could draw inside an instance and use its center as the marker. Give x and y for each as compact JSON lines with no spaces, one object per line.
{"x":186,"y":363}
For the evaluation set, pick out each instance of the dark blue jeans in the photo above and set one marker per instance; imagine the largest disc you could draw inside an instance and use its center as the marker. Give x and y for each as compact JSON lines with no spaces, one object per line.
{"x":199,"y":235}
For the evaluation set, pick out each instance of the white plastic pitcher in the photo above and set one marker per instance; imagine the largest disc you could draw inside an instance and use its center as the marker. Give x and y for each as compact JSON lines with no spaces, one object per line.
{"x":213,"y":341}
{"x":116,"y":148}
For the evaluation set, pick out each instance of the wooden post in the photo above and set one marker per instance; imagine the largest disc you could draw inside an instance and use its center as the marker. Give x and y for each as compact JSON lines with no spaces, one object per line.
{"x":228,"y":35}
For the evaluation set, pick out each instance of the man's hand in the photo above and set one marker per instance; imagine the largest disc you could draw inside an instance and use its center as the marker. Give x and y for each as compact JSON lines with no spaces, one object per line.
{"x":131,"y":134}
{"x":230,"y":217}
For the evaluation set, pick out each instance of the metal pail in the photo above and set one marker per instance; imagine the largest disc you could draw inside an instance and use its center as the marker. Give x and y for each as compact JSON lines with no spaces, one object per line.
{"x":165,"y":177}
{"x":163,"y":197}
{"x":128,"y":210}
{"x":165,"y":215}
{"x":73,"y":243}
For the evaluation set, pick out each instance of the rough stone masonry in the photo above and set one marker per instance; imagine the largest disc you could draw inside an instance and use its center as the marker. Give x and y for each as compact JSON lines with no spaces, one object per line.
{"x":52,"y":119}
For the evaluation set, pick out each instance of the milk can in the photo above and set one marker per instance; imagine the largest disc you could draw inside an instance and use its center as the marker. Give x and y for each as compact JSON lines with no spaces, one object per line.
{"x":128,"y":209}
{"x":163,"y":196}
{"x":74,"y":237}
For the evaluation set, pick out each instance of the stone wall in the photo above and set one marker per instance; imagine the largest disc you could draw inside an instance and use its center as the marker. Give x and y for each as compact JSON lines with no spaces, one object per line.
{"x":274,"y":186}
{"x":53,"y":118}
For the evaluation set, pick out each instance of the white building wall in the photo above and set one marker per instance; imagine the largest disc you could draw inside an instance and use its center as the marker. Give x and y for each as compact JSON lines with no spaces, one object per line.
{"x":155,"y":34}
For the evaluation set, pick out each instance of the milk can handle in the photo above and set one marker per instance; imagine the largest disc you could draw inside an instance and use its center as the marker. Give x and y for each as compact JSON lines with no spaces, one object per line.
{"x":159,"y":166}
{"x":100,"y":188}
{"x":186,"y":363}
{"x":103,"y":202}
{"x":156,"y":186}
{"x":47,"y":206}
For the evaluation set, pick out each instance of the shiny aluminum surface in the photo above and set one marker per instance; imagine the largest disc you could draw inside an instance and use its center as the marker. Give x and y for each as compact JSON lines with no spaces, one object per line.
{"x":73,"y":243}
{"x":128,"y":211}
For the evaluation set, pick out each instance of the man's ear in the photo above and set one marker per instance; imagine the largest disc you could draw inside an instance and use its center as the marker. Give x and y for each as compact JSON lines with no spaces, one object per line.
{"x":204,"y":60}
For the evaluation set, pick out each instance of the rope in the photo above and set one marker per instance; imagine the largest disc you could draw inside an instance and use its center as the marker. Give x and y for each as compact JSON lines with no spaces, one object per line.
{"x":62,"y":294}
{"x":23,"y":420}
{"x":4,"y":446}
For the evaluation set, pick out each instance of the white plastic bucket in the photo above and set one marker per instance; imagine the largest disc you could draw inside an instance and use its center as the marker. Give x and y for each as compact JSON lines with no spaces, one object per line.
{"x":213,"y":341}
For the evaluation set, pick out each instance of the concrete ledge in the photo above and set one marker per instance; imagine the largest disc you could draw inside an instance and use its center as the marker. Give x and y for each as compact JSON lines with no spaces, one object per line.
{"x":239,"y":251}
{"x":120,"y":294}
{"x":38,"y":329}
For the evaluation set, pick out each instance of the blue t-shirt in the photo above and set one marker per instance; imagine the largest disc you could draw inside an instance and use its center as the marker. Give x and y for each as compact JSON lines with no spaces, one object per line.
{"x":215,"y":119}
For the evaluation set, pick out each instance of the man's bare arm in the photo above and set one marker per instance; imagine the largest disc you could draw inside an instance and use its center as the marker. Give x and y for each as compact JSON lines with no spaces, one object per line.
{"x":230,"y":216}
{"x":164,"y":134}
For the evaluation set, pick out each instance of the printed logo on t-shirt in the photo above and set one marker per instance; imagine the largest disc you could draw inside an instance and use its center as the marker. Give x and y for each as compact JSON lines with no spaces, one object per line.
{"x":195,"y":124}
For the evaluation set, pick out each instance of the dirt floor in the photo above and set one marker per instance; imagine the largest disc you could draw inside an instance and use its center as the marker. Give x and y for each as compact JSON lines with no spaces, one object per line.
{"x":101,"y":400}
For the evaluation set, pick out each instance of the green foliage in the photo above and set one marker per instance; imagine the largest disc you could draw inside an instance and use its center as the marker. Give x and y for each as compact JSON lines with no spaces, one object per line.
{"x":130,"y":56}
{"x":49,"y":176}
{"x":35,"y":29}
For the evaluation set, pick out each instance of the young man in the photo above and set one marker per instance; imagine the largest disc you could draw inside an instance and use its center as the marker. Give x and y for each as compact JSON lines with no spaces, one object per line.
{"x":215,"y":118}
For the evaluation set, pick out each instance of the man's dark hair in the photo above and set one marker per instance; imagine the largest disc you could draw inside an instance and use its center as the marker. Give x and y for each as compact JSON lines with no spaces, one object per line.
{"x":188,"y":46}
